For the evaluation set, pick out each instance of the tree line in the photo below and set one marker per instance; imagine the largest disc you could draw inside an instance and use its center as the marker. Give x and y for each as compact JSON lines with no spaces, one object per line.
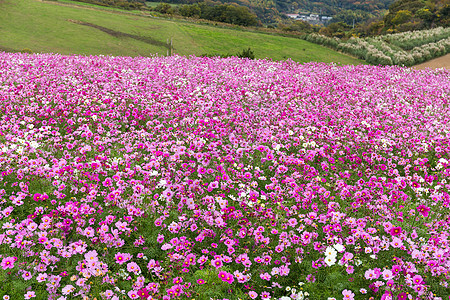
{"x":213,"y":11}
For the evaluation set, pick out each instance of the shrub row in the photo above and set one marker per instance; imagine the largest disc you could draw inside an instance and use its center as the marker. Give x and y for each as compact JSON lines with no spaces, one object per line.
{"x":388,"y":50}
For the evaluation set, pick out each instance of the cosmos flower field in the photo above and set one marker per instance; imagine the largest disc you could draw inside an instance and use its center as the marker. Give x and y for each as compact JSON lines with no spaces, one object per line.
{"x":208,"y":178}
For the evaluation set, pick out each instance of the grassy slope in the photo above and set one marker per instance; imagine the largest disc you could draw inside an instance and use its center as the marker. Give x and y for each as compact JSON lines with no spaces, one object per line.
{"x":44,"y":27}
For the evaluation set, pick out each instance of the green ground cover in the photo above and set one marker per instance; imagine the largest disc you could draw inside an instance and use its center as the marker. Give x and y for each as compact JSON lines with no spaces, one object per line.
{"x":55,"y":27}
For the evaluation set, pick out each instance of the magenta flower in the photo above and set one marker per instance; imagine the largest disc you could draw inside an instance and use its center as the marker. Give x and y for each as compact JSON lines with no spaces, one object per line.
{"x":432,"y":263}
{"x":265,"y":276}
{"x":417,"y":279}
{"x":316,"y":264}
{"x":402,"y":296}
{"x":229,"y":278}
{"x":396,"y":269}
{"x":201,"y":281}
{"x":27,"y":275}
{"x":143,"y":293}
{"x":311,"y":278}
{"x":37,"y":197}
{"x":222,"y":275}
{"x":396,"y":230}
{"x":423,"y":210}
{"x":252,"y":294}
{"x":217,"y":263}
{"x":122,"y":257}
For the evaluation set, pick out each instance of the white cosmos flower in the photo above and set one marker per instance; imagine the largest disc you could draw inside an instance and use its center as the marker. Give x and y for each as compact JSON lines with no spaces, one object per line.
{"x":339,"y":248}
{"x":330,"y":260}
{"x":330,"y":252}
{"x":19,"y":150}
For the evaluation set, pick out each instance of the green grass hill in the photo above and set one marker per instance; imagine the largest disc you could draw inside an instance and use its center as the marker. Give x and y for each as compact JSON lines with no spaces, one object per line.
{"x":68,"y":27}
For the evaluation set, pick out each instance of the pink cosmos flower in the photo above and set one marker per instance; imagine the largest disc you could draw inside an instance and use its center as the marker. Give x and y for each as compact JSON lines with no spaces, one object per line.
{"x":177,"y":280}
{"x":133,"y":294}
{"x":316,"y":264}
{"x":386,"y":296}
{"x":89,"y":231}
{"x":68,"y":289}
{"x":311,"y":278}
{"x":222,"y":275}
{"x":122,"y":257}
{"x":133,"y":267}
{"x":350,"y":269}
{"x":387,"y":274}
{"x":265,"y":276}
{"x":229,"y":278}
{"x":432,"y":263}
{"x":396,"y":242}
{"x":252,"y":294}
{"x":91,"y":256}
{"x":417,"y":279}
{"x":369,"y":274}
{"x":396,"y":269}
{"x":29,"y":295}
{"x":41,"y":277}
{"x":217,"y":263}
{"x":8,"y":262}
{"x":348,"y":295}
{"x":27,"y":275}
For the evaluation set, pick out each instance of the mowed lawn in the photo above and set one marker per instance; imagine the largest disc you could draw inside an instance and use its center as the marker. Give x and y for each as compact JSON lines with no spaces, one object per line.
{"x":56,"y":27}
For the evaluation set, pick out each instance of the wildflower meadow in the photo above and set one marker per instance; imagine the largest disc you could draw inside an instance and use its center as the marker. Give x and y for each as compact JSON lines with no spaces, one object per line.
{"x":222,"y":178}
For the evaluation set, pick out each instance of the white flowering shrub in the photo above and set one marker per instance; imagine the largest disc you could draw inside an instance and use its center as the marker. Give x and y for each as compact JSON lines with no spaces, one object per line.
{"x":411,"y":39}
{"x":404,"y":49}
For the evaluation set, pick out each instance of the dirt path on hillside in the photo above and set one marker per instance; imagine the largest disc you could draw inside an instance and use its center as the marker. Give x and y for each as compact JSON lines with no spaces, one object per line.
{"x":440,"y":62}
{"x":120,"y":34}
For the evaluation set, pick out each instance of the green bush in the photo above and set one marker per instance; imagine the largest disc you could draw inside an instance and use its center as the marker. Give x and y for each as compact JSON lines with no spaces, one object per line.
{"x":26,"y":50}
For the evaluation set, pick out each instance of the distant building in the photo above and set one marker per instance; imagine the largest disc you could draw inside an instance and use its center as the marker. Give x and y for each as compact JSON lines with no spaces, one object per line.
{"x":314,"y":19}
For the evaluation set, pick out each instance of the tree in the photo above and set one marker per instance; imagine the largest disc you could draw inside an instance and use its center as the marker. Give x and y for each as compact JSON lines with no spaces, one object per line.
{"x":402,"y":16}
{"x":190,"y":10}
{"x":164,"y":8}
